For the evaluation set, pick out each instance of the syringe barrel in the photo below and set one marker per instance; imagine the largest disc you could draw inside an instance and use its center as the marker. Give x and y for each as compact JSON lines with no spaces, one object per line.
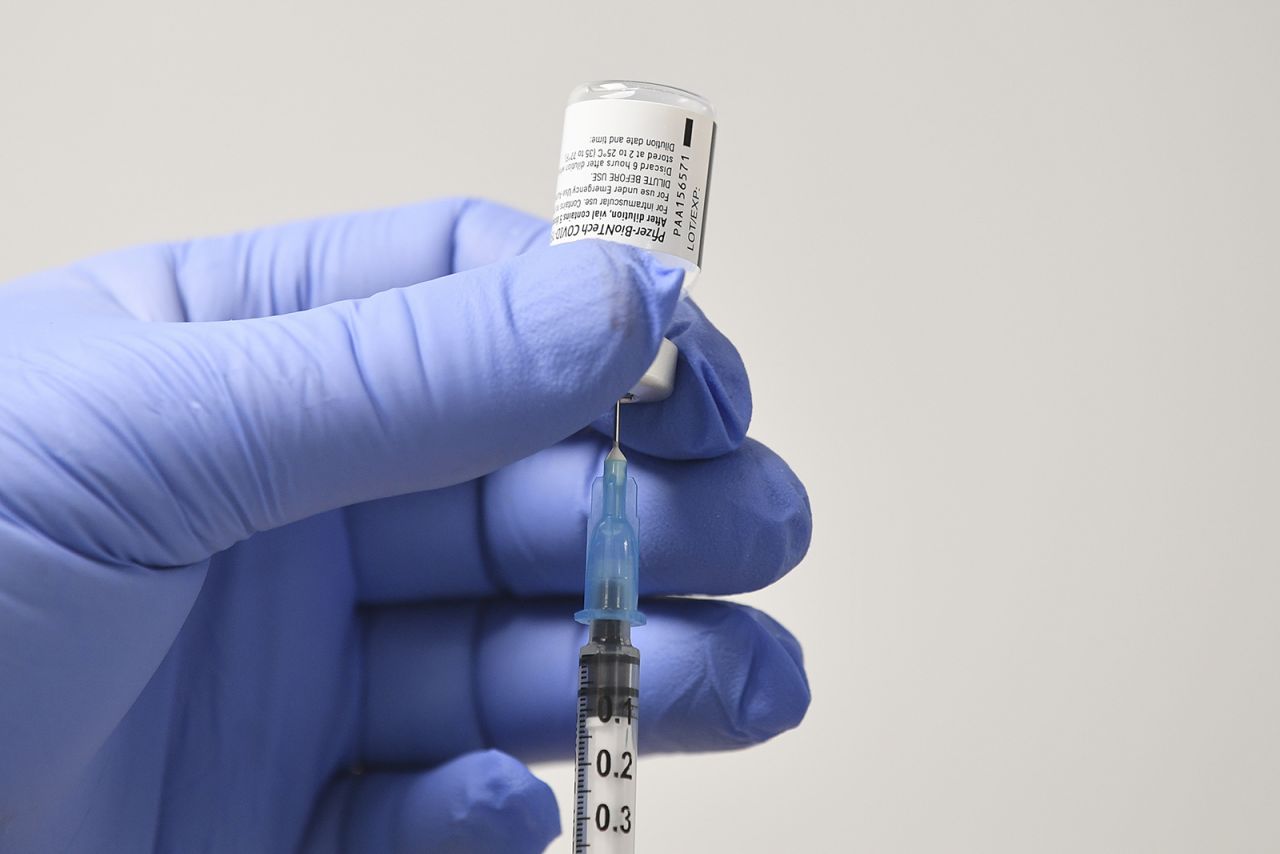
{"x":608,"y":714}
{"x":610,"y":680}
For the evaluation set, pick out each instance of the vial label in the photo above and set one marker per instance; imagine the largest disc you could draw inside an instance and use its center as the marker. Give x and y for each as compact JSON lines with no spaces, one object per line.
{"x":634,"y":172}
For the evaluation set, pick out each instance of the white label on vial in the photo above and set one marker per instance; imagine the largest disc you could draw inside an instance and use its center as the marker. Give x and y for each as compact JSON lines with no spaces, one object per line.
{"x":634,"y":172}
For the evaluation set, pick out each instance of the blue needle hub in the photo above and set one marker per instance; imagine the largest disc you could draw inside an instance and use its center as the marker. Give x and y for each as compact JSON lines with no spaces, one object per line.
{"x":613,"y":547}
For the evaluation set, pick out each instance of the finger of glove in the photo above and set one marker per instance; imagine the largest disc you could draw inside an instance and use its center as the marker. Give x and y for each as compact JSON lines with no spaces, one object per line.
{"x":477,"y":803}
{"x":306,"y":264}
{"x":301,"y":265}
{"x":723,"y":526}
{"x":442,"y":679}
{"x":710,"y":409}
{"x":243,"y":426}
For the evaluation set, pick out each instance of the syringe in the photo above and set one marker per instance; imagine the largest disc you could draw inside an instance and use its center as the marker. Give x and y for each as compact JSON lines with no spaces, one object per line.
{"x":635,"y":168}
{"x":609,"y":667}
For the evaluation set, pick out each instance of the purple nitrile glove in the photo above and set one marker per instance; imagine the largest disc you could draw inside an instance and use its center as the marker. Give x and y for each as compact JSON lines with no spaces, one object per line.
{"x":292,"y":525}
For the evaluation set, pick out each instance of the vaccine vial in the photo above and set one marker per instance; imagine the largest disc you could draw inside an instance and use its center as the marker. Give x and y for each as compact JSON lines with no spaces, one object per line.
{"x":635,"y":168}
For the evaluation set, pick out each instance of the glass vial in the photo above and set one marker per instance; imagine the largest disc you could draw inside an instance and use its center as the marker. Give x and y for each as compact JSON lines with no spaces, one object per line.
{"x":635,"y":167}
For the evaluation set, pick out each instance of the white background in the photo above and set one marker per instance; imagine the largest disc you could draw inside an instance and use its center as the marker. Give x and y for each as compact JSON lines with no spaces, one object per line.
{"x":1005,"y":275}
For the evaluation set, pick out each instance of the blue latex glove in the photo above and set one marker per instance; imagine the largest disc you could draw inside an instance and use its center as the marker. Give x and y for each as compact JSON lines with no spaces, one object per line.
{"x":290,"y":545}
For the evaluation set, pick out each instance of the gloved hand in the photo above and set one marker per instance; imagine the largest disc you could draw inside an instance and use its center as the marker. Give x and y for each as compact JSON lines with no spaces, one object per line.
{"x":290,"y":545}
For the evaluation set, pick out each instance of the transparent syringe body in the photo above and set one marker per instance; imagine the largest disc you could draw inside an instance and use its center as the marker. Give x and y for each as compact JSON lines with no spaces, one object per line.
{"x":608,"y":712}
{"x":609,"y":669}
